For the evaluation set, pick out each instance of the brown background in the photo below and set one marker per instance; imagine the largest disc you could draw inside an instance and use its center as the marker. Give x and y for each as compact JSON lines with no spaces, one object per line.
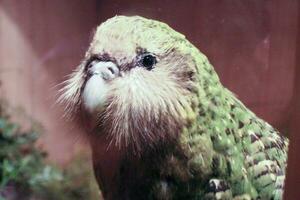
{"x":252,"y":44}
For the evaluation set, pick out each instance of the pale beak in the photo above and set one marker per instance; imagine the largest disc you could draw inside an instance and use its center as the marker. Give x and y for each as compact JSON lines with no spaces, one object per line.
{"x":107,"y":70}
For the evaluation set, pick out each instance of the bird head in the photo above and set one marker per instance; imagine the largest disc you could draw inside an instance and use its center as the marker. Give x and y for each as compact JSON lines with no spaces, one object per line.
{"x":138,"y":80}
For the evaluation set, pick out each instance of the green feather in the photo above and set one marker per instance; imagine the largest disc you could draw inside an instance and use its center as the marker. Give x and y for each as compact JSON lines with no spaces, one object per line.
{"x":227,"y":141}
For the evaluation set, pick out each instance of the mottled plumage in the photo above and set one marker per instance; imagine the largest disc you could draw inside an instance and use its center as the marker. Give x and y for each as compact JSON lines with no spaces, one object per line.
{"x":171,"y":130}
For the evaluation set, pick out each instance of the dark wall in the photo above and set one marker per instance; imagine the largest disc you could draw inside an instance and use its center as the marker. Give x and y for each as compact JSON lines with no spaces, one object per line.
{"x":293,"y":177}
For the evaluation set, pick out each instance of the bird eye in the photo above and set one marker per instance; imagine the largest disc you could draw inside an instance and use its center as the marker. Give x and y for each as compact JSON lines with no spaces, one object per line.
{"x":148,"y":61}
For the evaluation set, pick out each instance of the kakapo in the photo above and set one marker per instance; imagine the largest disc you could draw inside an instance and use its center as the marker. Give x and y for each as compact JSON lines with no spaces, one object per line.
{"x":162,"y":126}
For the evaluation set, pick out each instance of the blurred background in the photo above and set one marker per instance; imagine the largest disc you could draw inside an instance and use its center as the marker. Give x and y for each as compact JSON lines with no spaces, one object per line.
{"x":253,"y":45}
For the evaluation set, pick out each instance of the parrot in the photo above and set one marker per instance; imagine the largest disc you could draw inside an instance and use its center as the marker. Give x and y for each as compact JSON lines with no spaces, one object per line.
{"x":162,"y":126}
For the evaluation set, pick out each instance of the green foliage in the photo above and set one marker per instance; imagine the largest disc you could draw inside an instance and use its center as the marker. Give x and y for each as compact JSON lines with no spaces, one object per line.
{"x":24,"y":174}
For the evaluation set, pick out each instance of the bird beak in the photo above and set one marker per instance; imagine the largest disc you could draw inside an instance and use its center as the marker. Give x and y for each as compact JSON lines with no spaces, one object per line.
{"x":107,"y":70}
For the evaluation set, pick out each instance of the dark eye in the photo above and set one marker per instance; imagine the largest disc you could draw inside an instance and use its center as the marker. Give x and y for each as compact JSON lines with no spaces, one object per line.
{"x":148,"y":61}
